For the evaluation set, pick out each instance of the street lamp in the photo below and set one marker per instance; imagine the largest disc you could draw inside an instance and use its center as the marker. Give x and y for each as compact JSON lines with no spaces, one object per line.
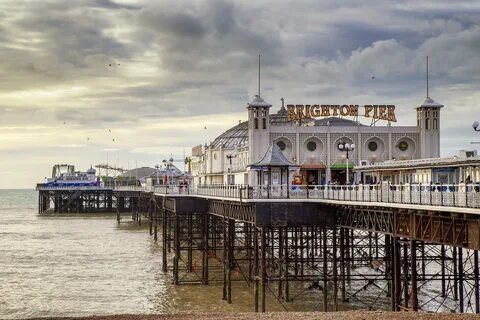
{"x":158,"y":172}
{"x":230,"y":157}
{"x":345,"y":146}
{"x":476,"y":126}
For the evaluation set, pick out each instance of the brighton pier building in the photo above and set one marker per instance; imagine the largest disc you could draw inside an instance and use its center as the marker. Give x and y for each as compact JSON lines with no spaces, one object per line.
{"x":248,"y":153}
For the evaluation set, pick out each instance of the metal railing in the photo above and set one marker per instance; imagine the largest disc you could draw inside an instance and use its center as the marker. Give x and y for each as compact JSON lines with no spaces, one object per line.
{"x":130,"y":188}
{"x":40,"y":187}
{"x":449,"y":195}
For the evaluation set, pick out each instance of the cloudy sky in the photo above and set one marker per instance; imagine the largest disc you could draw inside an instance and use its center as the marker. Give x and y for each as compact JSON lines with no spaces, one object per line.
{"x":139,"y":80}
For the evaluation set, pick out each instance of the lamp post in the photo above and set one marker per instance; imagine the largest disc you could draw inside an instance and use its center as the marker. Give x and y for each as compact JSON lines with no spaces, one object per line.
{"x":344,"y":146}
{"x":230,"y":157}
{"x":158,"y":179}
{"x":476,"y":126}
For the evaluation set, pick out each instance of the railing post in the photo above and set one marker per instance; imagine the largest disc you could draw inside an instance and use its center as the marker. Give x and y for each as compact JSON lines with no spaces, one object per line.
{"x":388,"y":191}
{"x":441,"y":194}
{"x":431,"y":190}
{"x":466,"y":195}
{"x":308,"y":192}
{"x":410,"y":187}
{"x":420,"y":193}
{"x":454,"y":187}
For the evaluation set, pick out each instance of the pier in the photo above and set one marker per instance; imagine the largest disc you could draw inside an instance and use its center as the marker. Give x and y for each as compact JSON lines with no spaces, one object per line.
{"x":415,"y":246}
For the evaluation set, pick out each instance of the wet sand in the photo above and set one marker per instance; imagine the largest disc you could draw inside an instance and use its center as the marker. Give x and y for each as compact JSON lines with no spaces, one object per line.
{"x":348,"y":315}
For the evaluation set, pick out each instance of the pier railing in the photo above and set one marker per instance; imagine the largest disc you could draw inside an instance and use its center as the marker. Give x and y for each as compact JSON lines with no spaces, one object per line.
{"x":47,"y":187}
{"x":450,"y":195}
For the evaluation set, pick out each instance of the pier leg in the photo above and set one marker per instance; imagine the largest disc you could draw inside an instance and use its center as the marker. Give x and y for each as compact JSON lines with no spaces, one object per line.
{"x":255,"y":269}
{"x":335,"y":276}
{"x":286,"y":271}
{"x":413,"y":256}
{"x":225,"y":257}
{"x":176,"y":239}
{"x":190,"y":243}
{"x":460,"y":279}
{"x":442,"y":262}
{"x":263,"y":268}
{"x":325,"y":271}
{"x":342,"y":263}
{"x":205,"y":249}
{"x":455,"y":274}
{"x":231,"y":239}
{"x":151,"y":219}
{"x":281,"y":263}
{"x":405,"y":275}
{"x":397,"y":267}
{"x":475,"y":283}
{"x":388,"y":265}
{"x":164,"y":240}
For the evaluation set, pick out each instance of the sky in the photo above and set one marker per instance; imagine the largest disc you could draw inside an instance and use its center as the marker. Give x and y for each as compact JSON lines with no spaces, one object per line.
{"x":136,"y":82}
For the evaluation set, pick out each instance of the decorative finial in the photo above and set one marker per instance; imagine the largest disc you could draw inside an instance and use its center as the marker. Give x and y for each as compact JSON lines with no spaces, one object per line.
{"x":259,"y":59}
{"x":427,"y":79}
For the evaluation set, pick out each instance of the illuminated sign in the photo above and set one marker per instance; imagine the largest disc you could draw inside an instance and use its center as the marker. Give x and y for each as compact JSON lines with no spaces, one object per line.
{"x":379,"y":112}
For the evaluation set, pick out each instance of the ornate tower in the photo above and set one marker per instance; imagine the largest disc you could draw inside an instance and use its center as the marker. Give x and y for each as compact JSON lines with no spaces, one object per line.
{"x":258,"y":128}
{"x":428,"y":121}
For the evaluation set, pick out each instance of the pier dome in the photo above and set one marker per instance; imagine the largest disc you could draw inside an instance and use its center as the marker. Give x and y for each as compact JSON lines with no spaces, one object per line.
{"x":233,"y":137}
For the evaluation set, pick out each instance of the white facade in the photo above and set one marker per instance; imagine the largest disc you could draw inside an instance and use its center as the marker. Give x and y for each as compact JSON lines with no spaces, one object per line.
{"x":313,"y":145}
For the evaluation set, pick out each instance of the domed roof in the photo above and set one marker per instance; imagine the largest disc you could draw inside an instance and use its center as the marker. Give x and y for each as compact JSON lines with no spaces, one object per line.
{"x":233,"y":137}
{"x":91,"y":171}
{"x":429,"y":102}
{"x":259,"y":102}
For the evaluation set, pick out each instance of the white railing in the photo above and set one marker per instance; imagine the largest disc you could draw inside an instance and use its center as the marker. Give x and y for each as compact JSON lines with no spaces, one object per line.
{"x":46,"y":187}
{"x":460,"y":195}
{"x":130,"y":188}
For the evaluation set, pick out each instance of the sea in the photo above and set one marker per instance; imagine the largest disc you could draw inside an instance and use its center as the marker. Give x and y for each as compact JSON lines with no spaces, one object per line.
{"x":58,"y":266}
{"x":82,"y":265}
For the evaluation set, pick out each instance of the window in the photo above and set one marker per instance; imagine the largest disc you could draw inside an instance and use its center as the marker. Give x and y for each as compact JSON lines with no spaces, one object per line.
{"x":403,"y":146}
{"x":264,"y":123}
{"x":372,"y":146}
{"x":256,"y":123}
{"x":214,"y":156}
{"x":426,"y":124}
{"x":281,"y":145}
{"x":435,"y":124}
{"x":311,"y":146}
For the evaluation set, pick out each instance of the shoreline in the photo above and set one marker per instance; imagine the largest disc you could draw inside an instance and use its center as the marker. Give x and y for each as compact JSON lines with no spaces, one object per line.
{"x":340,"y":315}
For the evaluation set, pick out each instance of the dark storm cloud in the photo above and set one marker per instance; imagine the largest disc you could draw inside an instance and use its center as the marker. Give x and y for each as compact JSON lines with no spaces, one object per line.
{"x":182,"y":58}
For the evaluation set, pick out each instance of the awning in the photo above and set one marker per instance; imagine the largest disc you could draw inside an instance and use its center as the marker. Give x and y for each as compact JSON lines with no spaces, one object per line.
{"x":313,"y":166}
{"x":341,"y":166}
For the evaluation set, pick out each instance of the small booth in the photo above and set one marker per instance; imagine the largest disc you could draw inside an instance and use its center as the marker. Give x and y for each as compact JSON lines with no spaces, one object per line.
{"x":274,"y":171}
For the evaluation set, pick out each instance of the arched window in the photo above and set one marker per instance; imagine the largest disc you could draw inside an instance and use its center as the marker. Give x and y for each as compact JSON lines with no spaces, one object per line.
{"x":264,"y":123}
{"x":435,"y":124}
{"x":256,"y":123}
{"x":426,"y":124}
